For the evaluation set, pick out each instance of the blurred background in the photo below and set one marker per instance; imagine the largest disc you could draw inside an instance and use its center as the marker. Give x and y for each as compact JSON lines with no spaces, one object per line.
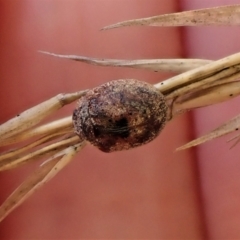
{"x":147,"y":192}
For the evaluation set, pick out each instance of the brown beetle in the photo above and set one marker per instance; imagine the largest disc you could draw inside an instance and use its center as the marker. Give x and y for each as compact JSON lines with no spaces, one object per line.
{"x":120,"y":115}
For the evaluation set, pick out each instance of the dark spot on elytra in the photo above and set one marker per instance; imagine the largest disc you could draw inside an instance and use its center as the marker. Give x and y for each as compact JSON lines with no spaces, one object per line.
{"x":96,"y":131}
{"x":123,"y":129}
{"x":117,"y":129}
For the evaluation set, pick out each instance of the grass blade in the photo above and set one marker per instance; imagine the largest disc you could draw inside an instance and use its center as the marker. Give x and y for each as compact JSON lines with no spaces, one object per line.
{"x":16,"y":160}
{"x":42,"y":175}
{"x":34,"y":115}
{"x":224,"y":15}
{"x":166,"y":65}
{"x":231,"y":126}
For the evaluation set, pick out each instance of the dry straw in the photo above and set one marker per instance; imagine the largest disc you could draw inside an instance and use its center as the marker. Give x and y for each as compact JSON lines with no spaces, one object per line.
{"x":199,"y":83}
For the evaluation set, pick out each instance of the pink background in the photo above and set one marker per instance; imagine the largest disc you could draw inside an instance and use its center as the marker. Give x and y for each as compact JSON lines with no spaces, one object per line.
{"x":147,"y":192}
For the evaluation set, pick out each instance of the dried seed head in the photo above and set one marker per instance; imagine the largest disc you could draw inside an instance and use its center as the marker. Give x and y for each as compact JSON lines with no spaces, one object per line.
{"x":120,"y":115}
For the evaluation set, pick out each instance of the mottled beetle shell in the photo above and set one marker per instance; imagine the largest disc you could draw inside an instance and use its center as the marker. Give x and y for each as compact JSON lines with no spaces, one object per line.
{"x":120,"y":115}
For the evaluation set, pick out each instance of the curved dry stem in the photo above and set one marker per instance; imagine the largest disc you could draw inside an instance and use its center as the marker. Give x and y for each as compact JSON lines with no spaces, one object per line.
{"x":38,"y":178}
{"x":34,"y":115}
{"x":209,"y":96}
{"x":204,"y":82}
{"x":17,"y":160}
{"x":157,"y":65}
{"x":198,"y":74}
{"x":14,"y":153}
{"x":230,"y":126}
{"x":60,"y":126}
